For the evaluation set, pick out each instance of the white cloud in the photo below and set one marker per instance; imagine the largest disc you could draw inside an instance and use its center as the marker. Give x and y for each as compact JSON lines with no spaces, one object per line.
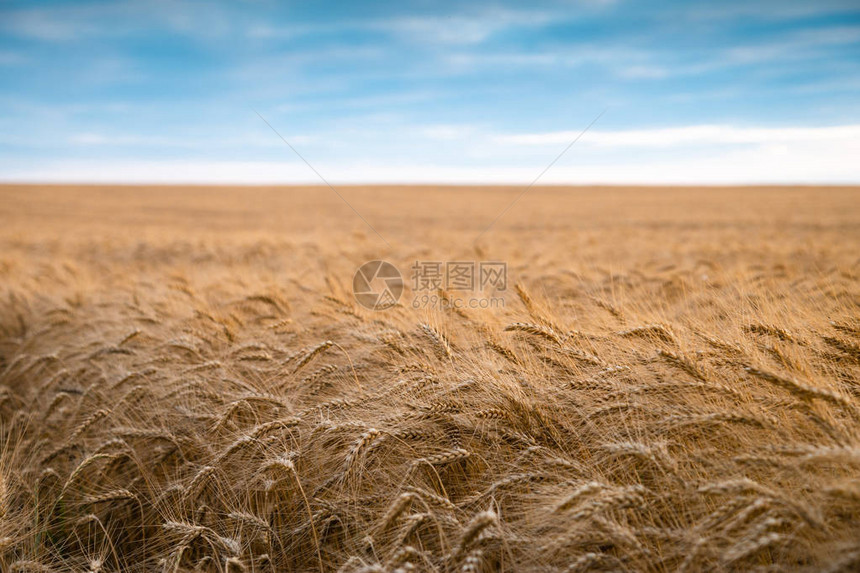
{"x":791,"y":160}
{"x":67,"y":22}
{"x":47,"y":25}
{"x":12,"y":58}
{"x":460,"y":29}
{"x":447,"y":132}
{"x":630,"y":63}
{"x":622,"y":61}
{"x":369,"y":152}
{"x":692,"y":135}
{"x":259,"y":139}
{"x":89,"y":138}
{"x":779,"y":10}
{"x":470,"y":27}
{"x":646,"y":72}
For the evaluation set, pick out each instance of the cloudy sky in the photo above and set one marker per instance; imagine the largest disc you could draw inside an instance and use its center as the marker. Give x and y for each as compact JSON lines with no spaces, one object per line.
{"x":429,"y":91}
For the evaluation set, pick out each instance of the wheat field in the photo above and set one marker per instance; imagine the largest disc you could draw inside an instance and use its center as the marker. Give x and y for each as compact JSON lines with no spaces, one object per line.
{"x":188,"y":384}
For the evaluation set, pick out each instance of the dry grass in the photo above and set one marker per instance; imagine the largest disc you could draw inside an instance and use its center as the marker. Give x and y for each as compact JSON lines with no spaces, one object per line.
{"x":186,"y":383}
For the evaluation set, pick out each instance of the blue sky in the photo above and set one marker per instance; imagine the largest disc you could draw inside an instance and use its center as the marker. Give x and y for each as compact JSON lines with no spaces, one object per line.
{"x":693,"y":92}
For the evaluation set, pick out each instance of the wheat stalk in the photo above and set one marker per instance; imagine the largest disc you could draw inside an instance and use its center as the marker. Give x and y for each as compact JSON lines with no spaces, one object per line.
{"x":313,"y":352}
{"x":771,"y":330}
{"x":442,"y":458}
{"x":683,"y":363}
{"x":89,"y":421}
{"x":535,"y":329}
{"x":476,"y":526}
{"x":803,"y":391}
{"x":439,"y":341}
{"x":400,"y":504}
{"x":658,"y":331}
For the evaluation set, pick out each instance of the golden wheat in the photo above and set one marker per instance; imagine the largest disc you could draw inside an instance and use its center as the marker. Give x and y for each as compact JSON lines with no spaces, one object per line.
{"x":653,"y":396}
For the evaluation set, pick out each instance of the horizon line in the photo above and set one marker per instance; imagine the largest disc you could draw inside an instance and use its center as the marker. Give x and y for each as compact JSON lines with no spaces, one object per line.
{"x":48,"y":183}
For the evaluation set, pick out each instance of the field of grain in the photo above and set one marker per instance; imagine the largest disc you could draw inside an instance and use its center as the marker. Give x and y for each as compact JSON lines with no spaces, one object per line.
{"x":188,"y":384}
